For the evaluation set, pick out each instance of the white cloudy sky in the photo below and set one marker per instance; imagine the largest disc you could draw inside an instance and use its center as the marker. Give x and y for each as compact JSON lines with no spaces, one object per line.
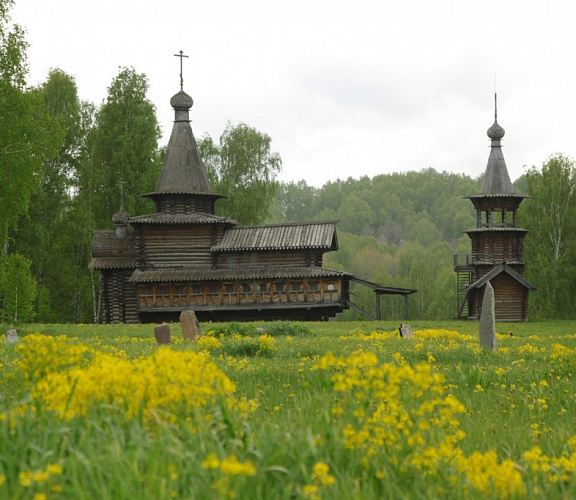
{"x":344,"y":88}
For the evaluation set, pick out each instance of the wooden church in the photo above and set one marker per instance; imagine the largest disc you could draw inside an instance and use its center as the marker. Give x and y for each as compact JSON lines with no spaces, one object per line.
{"x":497,"y":244}
{"x":183,"y":256}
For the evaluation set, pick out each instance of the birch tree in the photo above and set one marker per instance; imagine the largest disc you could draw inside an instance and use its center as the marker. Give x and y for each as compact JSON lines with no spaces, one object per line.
{"x":550,"y":247}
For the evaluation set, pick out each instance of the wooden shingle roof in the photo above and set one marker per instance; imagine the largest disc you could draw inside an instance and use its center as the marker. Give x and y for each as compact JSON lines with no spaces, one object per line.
{"x":188,"y":218}
{"x":261,"y":272}
{"x":311,"y":235}
{"x":182,"y":169}
{"x":111,"y":252}
{"x":502,"y":268}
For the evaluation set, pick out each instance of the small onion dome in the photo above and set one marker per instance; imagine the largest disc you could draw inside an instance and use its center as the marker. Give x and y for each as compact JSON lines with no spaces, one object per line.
{"x":495,"y":132}
{"x":181,"y":100}
{"x":121,"y":217}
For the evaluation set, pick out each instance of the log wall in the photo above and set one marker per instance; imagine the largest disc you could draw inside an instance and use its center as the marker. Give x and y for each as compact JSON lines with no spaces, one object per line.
{"x":176,"y":245}
{"x":262,"y":258}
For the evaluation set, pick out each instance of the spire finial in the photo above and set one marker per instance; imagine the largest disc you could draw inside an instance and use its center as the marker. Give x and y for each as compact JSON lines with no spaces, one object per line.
{"x":181,"y":56}
{"x":121,"y":182}
{"x":495,"y":107}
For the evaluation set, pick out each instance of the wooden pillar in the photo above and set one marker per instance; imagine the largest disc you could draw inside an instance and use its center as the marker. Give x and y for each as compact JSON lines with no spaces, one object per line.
{"x":406,"y":306}
{"x":378,"y":312}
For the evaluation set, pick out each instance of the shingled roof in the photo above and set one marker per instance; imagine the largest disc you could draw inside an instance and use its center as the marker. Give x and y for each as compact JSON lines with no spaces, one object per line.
{"x":496,"y":178}
{"x":183,"y":171}
{"x":189,"y":218}
{"x":111,"y":252}
{"x":247,"y":273}
{"x":310,"y":235}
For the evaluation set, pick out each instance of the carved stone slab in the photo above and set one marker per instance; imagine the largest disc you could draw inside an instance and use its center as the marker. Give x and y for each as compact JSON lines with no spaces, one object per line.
{"x":162,"y":334}
{"x":488,"y":319}
{"x":190,"y":325}
{"x":405,"y":331}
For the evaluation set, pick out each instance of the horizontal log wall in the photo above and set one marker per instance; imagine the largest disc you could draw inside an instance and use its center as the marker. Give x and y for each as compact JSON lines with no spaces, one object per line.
{"x":262,"y":258}
{"x":169,"y":245}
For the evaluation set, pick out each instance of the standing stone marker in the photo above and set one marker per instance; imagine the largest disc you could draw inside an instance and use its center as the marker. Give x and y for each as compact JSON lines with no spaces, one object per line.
{"x":11,"y":337}
{"x":162,"y":334}
{"x":406,"y":331}
{"x":190,"y":325}
{"x":488,"y":319}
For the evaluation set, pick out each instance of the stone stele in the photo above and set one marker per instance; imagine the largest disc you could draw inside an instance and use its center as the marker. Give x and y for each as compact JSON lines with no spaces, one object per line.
{"x":488,"y":319}
{"x":405,"y":330}
{"x":162,"y":334}
{"x":190,"y":325}
{"x":11,"y":337}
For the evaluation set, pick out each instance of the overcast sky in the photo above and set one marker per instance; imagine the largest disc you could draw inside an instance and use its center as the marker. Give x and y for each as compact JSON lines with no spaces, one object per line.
{"x":343,"y":88}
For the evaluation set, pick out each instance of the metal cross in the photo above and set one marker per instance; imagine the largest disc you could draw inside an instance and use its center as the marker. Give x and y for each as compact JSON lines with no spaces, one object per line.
{"x":181,"y":56}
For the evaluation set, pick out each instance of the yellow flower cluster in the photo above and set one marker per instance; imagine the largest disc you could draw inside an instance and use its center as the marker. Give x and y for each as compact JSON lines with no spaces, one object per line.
{"x":230,"y":466}
{"x":395,"y":406}
{"x":321,"y":478}
{"x":39,"y":355}
{"x":226,"y":469}
{"x":43,"y":479}
{"x":165,"y":384}
{"x":486,"y":475}
{"x":441,"y":334}
{"x":401,"y":417}
{"x":556,"y":468}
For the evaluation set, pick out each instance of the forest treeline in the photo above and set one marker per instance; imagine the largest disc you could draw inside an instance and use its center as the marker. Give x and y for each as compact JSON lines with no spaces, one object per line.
{"x":66,"y":166}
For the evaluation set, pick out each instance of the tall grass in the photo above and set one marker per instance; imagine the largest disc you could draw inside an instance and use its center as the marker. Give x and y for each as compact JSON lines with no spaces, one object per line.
{"x":320,"y":410}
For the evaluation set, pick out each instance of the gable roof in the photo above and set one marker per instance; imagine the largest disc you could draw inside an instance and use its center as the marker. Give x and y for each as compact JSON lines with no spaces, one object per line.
{"x":502,"y":268}
{"x":310,"y":235}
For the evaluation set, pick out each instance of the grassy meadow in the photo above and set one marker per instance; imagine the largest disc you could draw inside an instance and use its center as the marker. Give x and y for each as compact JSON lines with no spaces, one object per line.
{"x":288,"y":410}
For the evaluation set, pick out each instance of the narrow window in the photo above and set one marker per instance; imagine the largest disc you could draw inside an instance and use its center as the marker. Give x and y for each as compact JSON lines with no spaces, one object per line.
{"x":279,"y":287}
{"x":229,"y":288}
{"x":313,"y":286}
{"x":263,"y":287}
{"x":246,"y":288}
{"x":213,"y":289}
{"x":330,"y":287}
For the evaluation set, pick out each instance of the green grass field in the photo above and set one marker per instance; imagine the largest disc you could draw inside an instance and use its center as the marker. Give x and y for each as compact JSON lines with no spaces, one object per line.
{"x":285,"y":410}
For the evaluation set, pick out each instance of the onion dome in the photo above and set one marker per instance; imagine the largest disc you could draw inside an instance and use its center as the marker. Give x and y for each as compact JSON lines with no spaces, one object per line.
{"x":496,"y":132}
{"x":121,"y":217}
{"x":181,"y":100}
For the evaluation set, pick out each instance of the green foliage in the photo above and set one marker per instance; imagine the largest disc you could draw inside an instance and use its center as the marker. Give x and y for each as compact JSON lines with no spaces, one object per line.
{"x":272,"y":328}
{"x":17,"y":290}
{"x":123,"y":145}
{"x":243,"y":168}
{"x":27,"y":135}
{"x":277,"y":328}
{"x":550,"y":248}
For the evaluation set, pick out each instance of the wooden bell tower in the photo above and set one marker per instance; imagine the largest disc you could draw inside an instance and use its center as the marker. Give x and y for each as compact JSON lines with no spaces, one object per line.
{"x":497,"y":244}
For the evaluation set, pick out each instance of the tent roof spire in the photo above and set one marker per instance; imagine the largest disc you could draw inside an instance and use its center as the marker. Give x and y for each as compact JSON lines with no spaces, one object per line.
{"x":496,"y":178}
{"x":183,"y":171}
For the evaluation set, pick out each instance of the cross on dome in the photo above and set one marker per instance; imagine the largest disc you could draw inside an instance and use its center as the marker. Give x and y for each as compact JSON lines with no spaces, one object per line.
{"x":181,"y":56}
